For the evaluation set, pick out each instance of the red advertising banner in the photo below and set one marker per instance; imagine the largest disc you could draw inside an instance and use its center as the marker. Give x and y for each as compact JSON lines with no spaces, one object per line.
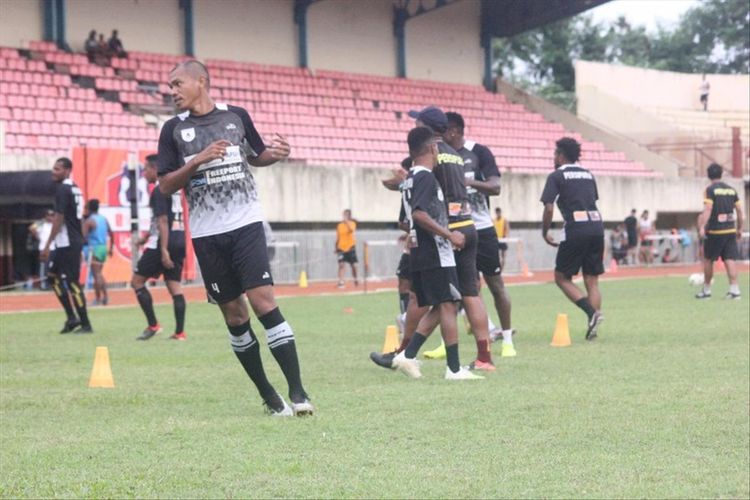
{"x":103,"y":174}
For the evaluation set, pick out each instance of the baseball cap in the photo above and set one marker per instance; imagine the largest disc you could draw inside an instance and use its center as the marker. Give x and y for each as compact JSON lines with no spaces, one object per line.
{"x":431,"y":116}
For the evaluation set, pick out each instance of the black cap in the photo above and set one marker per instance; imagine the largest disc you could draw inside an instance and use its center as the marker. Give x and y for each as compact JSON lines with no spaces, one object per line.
{"x":431,"y":116}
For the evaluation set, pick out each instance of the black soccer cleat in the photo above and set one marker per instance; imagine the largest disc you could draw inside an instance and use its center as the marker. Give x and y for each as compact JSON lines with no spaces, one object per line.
{"x":85,"y":329}
{"x":703,"y":295}
{"x":383,"y":360}
{"x":733,"y":296}
{"x":594,"y":323}
{"x":70,"y":325}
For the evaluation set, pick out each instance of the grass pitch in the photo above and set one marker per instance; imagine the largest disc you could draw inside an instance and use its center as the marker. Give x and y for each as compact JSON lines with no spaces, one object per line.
{"x":656,"y":407}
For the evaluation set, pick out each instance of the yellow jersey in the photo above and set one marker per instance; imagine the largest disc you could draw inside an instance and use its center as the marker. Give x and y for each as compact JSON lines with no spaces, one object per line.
{"x":345,"y":239}
{"x":500,"y":227}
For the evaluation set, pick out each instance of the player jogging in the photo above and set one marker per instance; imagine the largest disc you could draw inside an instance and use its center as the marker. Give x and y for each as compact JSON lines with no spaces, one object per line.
{"x":65,"y":262}
{"x":164,"y":255}
{"x":208,"y":149}
{"x":582,"y":244}
{"x":721,"y":226}
{"x":434,"y":277}
{"x":96,"y":230}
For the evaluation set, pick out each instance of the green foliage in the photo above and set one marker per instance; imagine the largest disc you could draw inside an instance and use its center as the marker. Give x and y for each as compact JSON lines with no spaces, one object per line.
{"x":657,"y":407}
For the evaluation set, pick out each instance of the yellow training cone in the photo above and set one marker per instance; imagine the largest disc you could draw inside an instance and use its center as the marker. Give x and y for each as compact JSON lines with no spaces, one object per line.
{"x":391,"y":339}
{"x":303,"y":279}
{"x":101,"y":373}
{"x":561,"y":337}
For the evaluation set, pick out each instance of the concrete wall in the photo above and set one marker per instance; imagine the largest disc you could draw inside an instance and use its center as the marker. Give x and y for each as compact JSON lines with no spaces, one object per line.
{"x":20,"y":22}
{"x":261,"y":31}
{"x":665,"y":89}
{"x":143,"y":25}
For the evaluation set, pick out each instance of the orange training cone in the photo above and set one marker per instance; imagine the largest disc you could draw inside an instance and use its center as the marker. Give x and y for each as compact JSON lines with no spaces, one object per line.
{"x":720,"y":264}
{"x":101,"y":373}
{"x":525,"y":270}
{"x":391,"y":339}
{"x":613,"y":266}
{"x":303,"y":279}
{"x":561,"y":337}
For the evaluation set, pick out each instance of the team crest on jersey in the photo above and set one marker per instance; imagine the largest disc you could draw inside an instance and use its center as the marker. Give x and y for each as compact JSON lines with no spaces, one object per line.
{"x":187,"y":134}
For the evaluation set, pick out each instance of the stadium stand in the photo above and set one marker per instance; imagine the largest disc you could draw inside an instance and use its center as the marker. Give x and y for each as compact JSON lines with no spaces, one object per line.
{"x":53,"y":100}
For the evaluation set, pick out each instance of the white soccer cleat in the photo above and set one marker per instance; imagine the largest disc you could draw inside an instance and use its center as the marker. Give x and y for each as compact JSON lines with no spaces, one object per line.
{"x":303,"y":409}
{"x":407,"y":366}
{"x":286,"y":411}
{"x":461,"y":374}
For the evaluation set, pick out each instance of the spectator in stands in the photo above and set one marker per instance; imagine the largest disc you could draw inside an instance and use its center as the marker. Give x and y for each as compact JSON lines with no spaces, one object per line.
{"x":502,"y":229}
{"x":41,"y":229}
{"x":705,"y":88}
{"x":618,"y":242}
{"x":115,"y":46}
{"x":91,"y":46}
{"x":346,"y":246}
{"x":645,"y":231}
{"x":631,"y":228}
{"x":96,"y":230}
{"x":102,"y":55}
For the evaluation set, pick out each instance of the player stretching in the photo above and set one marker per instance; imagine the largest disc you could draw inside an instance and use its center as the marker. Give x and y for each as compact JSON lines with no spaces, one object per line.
{"x":433,"y":265}
{"x":65,"y":261}
{"x":208,"y":150}
{"x":720,"y":225}
{"x":164,"y":255}
{"x":582,"y":245}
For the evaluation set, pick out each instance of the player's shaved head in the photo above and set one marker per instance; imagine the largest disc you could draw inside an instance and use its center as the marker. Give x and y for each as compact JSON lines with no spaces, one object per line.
{"x":195,"y":69}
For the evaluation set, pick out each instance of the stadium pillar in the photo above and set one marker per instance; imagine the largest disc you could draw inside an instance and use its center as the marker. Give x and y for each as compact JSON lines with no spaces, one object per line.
{"x":736,"y":152}
{"x":60,"y":24}
{"x":400,"y":15}
{"x":48,"y":6}
{"x":188,"y":26}
{"x":300,"y":18}
{"x":489,"y":84}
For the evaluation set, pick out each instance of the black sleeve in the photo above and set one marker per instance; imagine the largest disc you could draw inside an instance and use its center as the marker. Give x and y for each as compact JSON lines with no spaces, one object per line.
{"x":596,"y":189}
{"x":422,"y":191}
{"x":487,"y":165}
{"x":62,"y":198}
{"x":551,"y":189}
{"x":169,"y":159}
{"x":158,"y":203}
{"x":402,"y":213}
{"x":253,"y":137}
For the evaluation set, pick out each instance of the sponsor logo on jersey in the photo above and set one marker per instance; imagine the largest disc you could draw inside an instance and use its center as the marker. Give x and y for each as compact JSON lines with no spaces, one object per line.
{"x":266,"y":275}
{"x":231,"y":126}
{"x":187,"y":134}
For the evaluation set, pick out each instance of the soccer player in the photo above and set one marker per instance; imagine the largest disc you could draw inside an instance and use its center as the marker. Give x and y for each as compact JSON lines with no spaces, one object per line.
{"x":582,"y":245}
{"x":208,"y":149}
{"x":65,"y":262}
{"x":434,"y":277}
{"x":346,"y":246}
{"x":164,"y":255}
{"x":721,"y":226}
{"x":96,"y":230}
{"x":502,"y":230}
{"x":483,"y":181}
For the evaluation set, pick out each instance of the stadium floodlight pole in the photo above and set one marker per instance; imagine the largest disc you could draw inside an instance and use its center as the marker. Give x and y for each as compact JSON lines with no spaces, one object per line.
{"x":134,"y":234}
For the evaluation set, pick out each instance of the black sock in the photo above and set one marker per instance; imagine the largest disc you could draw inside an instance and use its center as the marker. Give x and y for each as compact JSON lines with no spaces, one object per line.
{"x":585,"y":305}
{"x":79,"y":301}
{"x":62,"y":295}
{"x":147,"y":304}
{"x":246,"y":348}
{"x":280,"y":339}
{"x":179,"y":312}
{"x":451,"y":352}
{"x":403,"y":301}
{"x":415,"y":344}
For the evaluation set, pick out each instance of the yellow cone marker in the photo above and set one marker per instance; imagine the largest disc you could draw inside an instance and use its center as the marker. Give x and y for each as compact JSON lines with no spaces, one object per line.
{"x":561,"y":337}
{"x":303,"y":279}
{"x":391,"y":339}
{"x":101,"y":373}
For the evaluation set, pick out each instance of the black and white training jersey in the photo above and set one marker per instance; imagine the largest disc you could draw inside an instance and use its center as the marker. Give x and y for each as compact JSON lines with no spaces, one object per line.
{"x":575,"y":190}
{"x":723,"y":199}
{"x":480,"y":165}
{"x":449,"y":172}
{"x":222,"y":195}
{"x":422,"y":191}
{"x":171,"y":206}
{"x":69,"y":203}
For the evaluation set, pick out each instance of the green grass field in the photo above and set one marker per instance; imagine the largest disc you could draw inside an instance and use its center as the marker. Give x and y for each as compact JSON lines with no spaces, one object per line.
{"x":656,"y":407}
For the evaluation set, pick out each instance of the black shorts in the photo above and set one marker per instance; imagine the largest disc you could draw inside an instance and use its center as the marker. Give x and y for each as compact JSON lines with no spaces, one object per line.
{"x":404,"y":267}
{"x":466,"y":263}
{"x":435,"y":286}
{"x":65,"y":262}
{"x":721,"y":245}
{"x":586,"y":251}
{"x":349,"y":257}
{"x":502,"y":246}
{"x":150,"y":266}
{"x":488,"y":252}
{"x":632,"y":241}
{"x":233,"y":262}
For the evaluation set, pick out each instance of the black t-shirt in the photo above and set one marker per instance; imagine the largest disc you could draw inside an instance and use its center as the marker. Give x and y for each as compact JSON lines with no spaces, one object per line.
{"x":631,"y":225}
{"x":479,"y":164}
{"x":449,"y":173}
{"x":574,"y":188}
{"x":69,"y":202}
{"x":422,"y":192}
{"x":171,"y":206}
{"x":222,"y":195}
{"x":723,"y":199}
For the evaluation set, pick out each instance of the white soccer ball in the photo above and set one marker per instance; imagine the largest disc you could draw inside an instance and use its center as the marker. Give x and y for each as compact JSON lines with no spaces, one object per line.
{"x":696,"y":279}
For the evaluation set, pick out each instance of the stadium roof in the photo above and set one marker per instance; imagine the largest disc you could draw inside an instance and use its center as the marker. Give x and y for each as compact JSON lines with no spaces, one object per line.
{"x":505,"y":18}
